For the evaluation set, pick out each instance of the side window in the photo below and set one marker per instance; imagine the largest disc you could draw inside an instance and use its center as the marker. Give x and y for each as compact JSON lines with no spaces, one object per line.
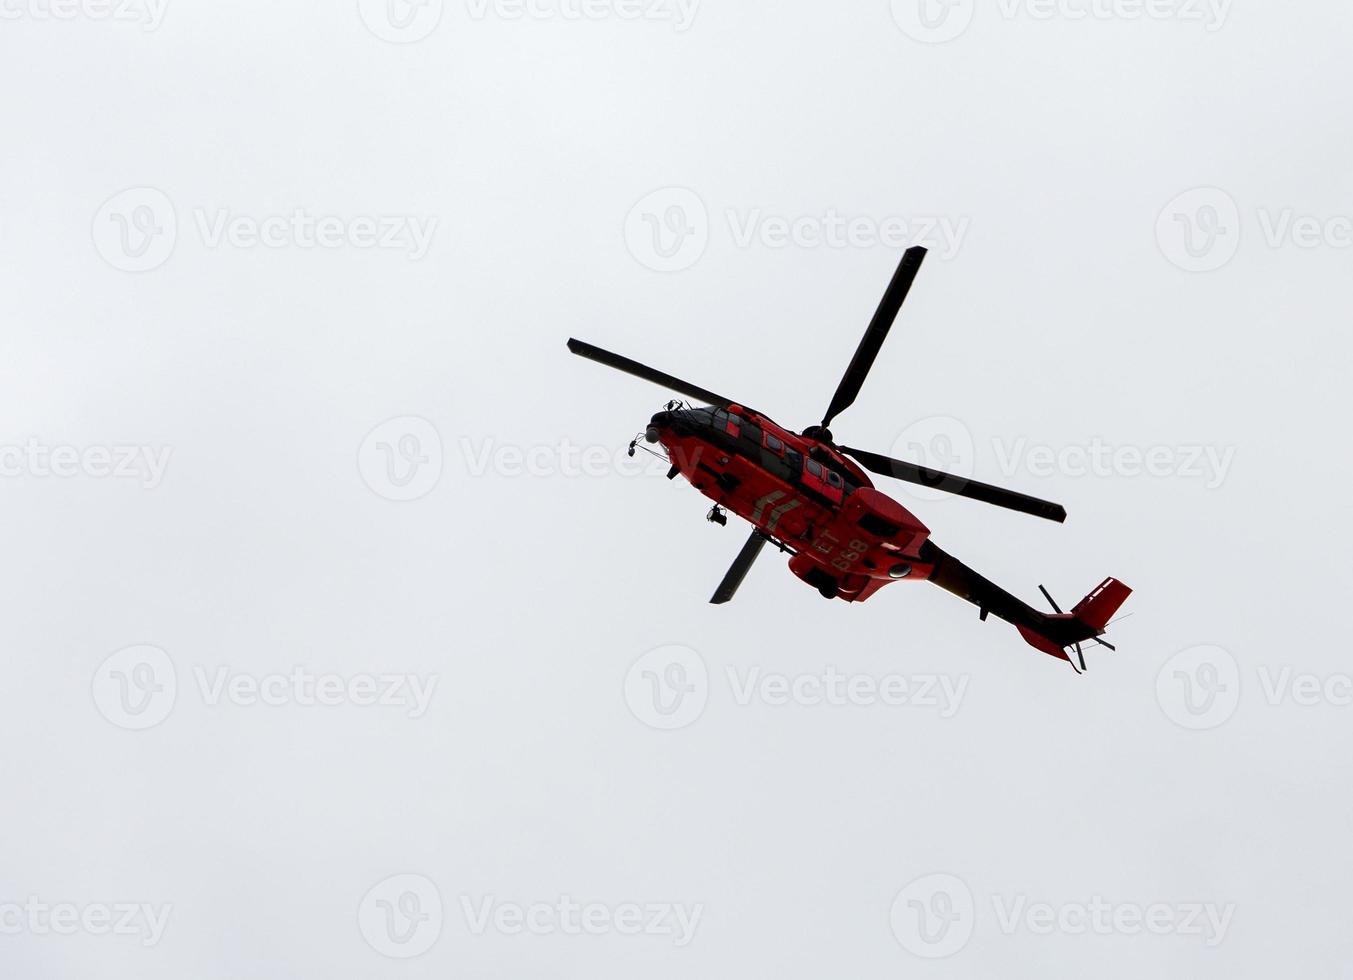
{"x":813,"y":467}
{"x":774,"y":444}
{"x":734,"y":425}
{"x":834,"y":478}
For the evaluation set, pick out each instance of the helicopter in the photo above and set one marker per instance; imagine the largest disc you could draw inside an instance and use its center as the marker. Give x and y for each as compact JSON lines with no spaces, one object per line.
{"x":813,"y":499}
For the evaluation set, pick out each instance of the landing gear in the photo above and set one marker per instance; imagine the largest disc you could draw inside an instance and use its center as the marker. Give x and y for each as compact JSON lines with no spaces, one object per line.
{"x":717,"y":515}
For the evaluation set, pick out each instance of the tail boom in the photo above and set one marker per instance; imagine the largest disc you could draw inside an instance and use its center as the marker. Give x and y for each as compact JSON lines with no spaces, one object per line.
{"x":1052,"y":633}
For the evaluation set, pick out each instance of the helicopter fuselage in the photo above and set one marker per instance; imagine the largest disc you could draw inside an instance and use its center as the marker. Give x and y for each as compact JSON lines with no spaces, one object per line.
{"x":848,"y":538}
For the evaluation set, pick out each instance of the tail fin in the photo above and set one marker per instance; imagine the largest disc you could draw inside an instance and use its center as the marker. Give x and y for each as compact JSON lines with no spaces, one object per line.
{"x":1096,"y":609}
{"x":1086,"y":621}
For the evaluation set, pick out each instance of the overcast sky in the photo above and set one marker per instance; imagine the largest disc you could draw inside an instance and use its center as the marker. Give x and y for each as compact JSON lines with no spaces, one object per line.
{"x":341,"y":638}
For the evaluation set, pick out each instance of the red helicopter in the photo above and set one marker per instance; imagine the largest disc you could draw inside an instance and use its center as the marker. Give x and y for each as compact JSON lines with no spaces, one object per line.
{"x":812,"y":498}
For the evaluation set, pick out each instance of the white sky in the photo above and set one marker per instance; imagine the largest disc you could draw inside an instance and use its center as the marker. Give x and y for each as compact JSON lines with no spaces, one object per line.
{"x":510,"y":162}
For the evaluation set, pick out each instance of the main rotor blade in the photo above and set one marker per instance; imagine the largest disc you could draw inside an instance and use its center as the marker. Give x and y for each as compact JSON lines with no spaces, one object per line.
{"x":741,"y":565}
{"x":873,"y":339}
{"x":593,"y":353}
{"x":948,"y":482}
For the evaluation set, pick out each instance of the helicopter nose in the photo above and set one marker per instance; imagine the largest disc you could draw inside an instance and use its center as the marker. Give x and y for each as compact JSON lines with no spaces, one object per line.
{"x":663,"y":420}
